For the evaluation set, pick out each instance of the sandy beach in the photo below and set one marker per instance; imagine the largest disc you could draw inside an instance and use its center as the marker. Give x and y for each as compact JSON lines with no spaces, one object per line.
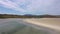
{"x":53,"y":23}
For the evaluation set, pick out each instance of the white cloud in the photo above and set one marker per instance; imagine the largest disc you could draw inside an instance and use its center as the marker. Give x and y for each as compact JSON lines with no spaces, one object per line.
{"x":11,"y":5}
{"x":46,"y":6}
{"x":33,"y":6}
{"x":39,"y":5}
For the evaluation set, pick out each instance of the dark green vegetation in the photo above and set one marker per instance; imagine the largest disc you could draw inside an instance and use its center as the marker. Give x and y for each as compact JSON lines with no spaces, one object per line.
{"x":28,"y":16}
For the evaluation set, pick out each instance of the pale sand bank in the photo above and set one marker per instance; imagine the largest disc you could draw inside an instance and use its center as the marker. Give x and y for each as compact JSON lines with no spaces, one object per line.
{"x":53,"y":23}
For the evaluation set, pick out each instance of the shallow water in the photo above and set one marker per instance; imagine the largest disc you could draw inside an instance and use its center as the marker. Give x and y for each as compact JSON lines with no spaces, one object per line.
{"x":18,"y":26}
{"x":14,"y":27}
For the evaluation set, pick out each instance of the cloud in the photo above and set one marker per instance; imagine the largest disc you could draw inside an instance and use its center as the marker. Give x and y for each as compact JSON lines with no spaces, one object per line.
{"x":45,"y":6}
{"x":34,"y":6}
{"x":11,"y":5}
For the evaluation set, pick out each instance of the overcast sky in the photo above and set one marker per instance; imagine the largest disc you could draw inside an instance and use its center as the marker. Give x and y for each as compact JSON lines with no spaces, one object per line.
{"x":30,"y":7}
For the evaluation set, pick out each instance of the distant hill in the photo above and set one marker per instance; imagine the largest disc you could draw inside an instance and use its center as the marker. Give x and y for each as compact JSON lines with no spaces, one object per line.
{"x":49,"y":16}
{"x":28,"y":16}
